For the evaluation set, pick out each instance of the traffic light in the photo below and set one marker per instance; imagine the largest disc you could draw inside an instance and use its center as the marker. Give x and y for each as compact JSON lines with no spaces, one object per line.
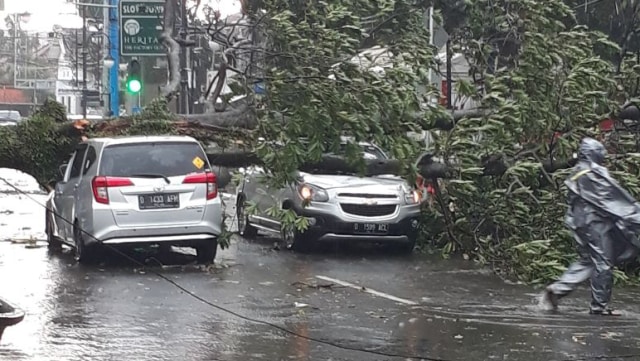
{"x":134,"y":80}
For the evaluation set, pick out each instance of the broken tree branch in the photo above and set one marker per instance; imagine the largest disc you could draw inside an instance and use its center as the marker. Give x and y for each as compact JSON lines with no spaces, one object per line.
{"x":427,"y":167}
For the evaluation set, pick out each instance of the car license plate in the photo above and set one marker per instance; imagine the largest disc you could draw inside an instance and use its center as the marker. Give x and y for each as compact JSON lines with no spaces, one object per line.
{"x":159,"y":201}
{"x":371,"y":228}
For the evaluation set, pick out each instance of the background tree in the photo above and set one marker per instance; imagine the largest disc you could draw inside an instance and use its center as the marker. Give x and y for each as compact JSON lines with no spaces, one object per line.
{"x":619,"y":19}
{"x":544,"y":88}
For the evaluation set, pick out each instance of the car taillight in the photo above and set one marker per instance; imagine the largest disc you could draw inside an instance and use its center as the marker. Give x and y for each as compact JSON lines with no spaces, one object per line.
{"x":208,"y":178}
{"x":101,"y":185}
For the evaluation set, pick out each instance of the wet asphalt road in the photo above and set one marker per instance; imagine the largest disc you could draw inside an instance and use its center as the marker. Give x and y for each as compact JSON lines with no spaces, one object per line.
{"x":117,"y":311}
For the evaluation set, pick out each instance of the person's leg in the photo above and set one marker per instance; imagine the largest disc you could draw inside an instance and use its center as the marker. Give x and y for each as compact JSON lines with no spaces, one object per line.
{"x":601,"y":252}
{"x":578,"y":272}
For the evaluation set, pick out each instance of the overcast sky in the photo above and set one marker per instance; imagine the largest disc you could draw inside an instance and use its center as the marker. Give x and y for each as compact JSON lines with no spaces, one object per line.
{"x":47,"y":13}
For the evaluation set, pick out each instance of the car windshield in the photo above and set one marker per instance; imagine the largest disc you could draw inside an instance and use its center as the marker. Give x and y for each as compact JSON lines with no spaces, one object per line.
{"x":167,"y":159}
{"x":369,"y":151}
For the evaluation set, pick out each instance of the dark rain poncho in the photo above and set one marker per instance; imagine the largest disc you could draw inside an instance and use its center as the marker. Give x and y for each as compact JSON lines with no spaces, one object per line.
{"x":605,"y":220}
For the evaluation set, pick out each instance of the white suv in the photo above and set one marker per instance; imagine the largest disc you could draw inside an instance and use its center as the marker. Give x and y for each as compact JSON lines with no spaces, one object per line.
{"x":136,"y":190}
{"x":343,"y":208}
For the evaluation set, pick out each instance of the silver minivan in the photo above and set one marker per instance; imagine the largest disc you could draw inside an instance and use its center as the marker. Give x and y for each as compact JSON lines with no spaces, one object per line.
{"x":136,"y":190}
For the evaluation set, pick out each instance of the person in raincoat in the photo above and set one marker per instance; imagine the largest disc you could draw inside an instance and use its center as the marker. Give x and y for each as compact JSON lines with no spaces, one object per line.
{"x":605,"y":220}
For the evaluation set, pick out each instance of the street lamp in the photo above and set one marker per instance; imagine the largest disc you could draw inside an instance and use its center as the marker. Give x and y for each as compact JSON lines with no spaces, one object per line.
{"x":108,"y":61}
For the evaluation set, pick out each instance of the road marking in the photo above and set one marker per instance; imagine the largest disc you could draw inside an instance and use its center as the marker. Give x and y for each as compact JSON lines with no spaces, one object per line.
{"x":367,"y":290}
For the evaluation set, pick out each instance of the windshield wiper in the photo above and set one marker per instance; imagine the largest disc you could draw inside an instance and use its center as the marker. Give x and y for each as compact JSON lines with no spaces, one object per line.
{"x":151,"y":175}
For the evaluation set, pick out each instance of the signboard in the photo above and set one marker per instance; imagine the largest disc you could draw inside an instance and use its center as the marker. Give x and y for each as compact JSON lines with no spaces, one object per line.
{"x":140,"y":28}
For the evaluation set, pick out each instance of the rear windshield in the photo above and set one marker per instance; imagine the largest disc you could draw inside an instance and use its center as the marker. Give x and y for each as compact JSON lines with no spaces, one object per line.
{"x":164,"y":158}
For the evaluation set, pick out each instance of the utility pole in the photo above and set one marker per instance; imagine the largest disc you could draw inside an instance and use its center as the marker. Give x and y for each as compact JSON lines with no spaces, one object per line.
{"x":77,"y":60}
{"x":104,"y":79}
{"x":15,"y":50}
{"x":449,"y":81}
{"x":84,"y":63}
{"x":184,"y":76}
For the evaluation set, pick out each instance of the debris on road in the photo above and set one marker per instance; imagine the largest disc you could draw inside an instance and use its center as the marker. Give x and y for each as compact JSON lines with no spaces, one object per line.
{"x":315,"y":286}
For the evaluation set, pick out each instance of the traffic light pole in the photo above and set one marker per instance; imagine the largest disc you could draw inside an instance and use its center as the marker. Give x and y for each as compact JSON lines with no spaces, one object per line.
{"x":114,"y":80}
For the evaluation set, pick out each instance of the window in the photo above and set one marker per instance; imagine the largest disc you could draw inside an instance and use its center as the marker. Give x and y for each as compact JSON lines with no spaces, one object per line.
{"x":168,"y":159}
{"x":91,"y":159}
{"x":76,"y":166}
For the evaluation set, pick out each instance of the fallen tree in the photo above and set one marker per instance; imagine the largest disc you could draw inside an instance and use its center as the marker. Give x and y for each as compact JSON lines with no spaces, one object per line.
{"x":502,"y":200}
{"x":426,"y":166}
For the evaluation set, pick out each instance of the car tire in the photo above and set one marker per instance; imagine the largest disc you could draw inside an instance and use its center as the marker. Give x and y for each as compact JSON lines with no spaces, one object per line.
{"x":245,"y":229}
{"x":294,"y":240}
{"x":84,"y":253}
{"x":407,"y":248}
{"x":53,"y":243}
{"x":206,"y":252}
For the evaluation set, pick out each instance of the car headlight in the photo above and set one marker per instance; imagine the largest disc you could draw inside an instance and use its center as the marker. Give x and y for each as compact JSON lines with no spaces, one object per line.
{"x":413,"y":197}
{"x":309,"y":192}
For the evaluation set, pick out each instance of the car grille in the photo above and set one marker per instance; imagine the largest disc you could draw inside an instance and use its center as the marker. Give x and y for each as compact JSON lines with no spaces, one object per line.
{"x":368,"y":210}
{"x":368,"y":195}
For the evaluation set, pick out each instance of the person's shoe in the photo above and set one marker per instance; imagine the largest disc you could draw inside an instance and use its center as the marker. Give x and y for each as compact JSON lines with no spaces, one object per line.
{"x":550,"y":299}
{"x":605,"y":312}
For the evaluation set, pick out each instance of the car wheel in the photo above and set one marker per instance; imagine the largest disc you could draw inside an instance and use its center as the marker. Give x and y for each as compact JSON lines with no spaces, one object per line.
{"x":206,"y":252}
{"x":84,"y":253}
{"x":53,"y":243}
{"x":407,"y":248}
{"x":292,"y":239}
{"x":245,"y":229}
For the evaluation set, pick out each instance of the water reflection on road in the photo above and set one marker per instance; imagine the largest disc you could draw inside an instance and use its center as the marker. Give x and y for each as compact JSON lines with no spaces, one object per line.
{"x":120,"y":311}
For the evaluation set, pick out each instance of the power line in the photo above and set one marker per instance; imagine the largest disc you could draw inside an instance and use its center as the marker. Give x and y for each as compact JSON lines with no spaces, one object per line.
{"x":226,"y":310}
{"x":272,"y":325}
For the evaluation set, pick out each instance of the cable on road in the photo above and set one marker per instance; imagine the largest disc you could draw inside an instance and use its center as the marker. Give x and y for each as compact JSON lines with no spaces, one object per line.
{"x":272,"y":325}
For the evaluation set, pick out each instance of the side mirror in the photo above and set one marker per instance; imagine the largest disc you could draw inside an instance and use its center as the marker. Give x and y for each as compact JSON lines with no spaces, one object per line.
{"x":63,"y":169}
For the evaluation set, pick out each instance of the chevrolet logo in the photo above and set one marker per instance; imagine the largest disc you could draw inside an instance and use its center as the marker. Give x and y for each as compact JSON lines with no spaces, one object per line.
{"x":370,"y":202}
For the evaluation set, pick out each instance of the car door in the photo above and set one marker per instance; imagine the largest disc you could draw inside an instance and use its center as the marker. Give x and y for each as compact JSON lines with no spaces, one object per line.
{"x":66,"y":191}
{"x":256,"y":193}
{"x":83,"y":196}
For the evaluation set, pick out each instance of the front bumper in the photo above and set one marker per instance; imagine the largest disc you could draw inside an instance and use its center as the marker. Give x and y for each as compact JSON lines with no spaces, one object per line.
{"x":336,"y":226}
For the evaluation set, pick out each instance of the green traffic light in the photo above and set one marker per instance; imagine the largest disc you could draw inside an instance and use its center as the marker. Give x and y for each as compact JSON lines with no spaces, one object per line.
{"x":134,"y":85}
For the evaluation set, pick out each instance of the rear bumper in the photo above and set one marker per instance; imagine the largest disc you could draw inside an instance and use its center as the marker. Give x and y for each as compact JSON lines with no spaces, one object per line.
{"x":171,"y":239}
{"x":107,"y":232}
